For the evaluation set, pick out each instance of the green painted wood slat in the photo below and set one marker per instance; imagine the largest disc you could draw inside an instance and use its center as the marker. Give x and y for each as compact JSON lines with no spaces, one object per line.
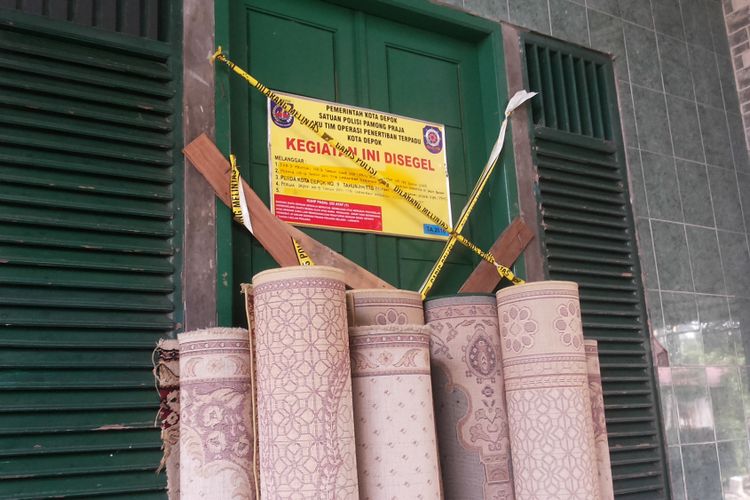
{"x":42,"y":401}
{"x":96,"y":77}
{"x":30,"y":43}
{"x":77,"y":278}
{"x":80,"y":338}
{"x":65,"y":238}
{"x":70,"y":442}
{"x":101,"y":112}
{"x":83,"y":183}
{"x":40,"y":215}
{"x":61,"y":259}
{"x":83,"y":199}
{"x":76,"y":126}
{"x":74,"y":161}
{"x":58,"y":140}
{"x":81,"y":92}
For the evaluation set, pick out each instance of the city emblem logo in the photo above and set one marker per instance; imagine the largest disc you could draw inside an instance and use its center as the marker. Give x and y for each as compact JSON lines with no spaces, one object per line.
{"x":433,"y":139}
{"x":280,"y":116}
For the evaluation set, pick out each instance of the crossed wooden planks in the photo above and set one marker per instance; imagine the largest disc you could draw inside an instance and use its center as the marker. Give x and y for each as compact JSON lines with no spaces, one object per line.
{"x":276,"y":235}
{"x":506,"y":249}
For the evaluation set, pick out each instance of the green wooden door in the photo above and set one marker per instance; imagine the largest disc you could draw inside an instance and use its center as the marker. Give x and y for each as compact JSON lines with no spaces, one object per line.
{"x":335,"y":53}
{"x":88,"y":231}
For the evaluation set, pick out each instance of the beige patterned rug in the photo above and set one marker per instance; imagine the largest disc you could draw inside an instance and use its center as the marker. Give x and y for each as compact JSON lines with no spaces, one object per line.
{"x":396,"y":444}
{"x":546,"y":384}
{"x":384,"y":307}
{"x":167,"y":375}
{"x":216,"y":416}
{"x":601,"y":443}
{"x":306,"y":429}
{"x":470,"y":397}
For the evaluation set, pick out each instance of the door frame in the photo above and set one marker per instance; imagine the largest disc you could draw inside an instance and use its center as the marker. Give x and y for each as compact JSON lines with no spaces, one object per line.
{"x":485,"y":34}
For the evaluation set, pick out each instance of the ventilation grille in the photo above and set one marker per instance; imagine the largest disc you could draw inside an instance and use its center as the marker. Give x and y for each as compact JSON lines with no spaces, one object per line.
{"x":141,"y":18}
{"x":574,"y":96}
{"x":588,"y":237}
{"x":87,"y":272}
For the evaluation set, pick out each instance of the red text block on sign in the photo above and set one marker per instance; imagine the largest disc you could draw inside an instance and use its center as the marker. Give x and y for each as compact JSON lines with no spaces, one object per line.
{"x":328,"y":213}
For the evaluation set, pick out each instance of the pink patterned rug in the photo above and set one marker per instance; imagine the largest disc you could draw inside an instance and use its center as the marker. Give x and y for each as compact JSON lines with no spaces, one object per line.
{"x":384,"y":307}
{"x":470,"y":397}
{"x":167,"y":376}
{"x":306,"y":429}
{"x":397,"y":454}
{"x":546,"y":384}
{"x":247,"y":291}
{"x":216,"y":415}
{"x":601,"y":443}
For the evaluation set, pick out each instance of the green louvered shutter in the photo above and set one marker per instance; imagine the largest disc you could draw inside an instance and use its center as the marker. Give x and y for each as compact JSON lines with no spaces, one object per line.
{"x":88,"y":231}
{"x":587,"y":231}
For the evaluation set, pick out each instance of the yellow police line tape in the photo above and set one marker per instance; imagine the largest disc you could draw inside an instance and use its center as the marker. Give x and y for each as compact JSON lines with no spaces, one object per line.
{"x":302,"y":256}
{"x":516,"y":101}
{"x":241,"y":213}
{"x":502,"y":270}
{"x":236,"y":193}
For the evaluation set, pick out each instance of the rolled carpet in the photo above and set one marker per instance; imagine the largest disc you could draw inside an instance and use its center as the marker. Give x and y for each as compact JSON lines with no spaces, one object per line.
{"x":368,"y":307}
{"x":247,"y":291}
{"x":469,"y":393}
{"x":601,"y":443}
{"x":167,"y":376}
{"x":306,"y":428}
{"x":546,"y":387}
{"x":396,"y":444}
{"x":216,"y":415}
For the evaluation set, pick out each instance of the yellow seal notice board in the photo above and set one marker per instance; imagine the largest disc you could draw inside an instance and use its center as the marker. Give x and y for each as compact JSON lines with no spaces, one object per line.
{"x":313,"y":184}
